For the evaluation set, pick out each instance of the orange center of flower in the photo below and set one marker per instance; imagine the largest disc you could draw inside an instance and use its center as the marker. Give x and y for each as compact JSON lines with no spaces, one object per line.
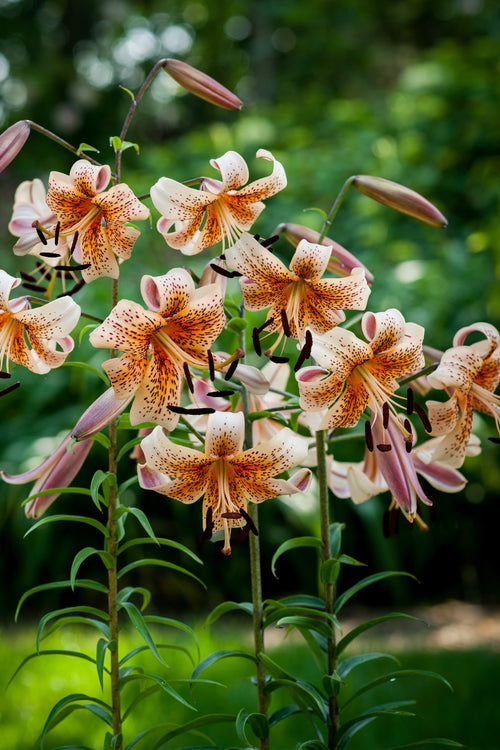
{"x":223,"y":472}
{"x":163,"y":340}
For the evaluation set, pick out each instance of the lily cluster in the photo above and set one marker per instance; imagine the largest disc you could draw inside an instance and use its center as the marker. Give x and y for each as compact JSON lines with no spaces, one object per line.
{"x":167,"y":349}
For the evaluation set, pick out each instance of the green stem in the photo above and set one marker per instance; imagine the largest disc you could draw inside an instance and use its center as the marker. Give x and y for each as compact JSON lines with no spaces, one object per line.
{"x":61,"y":142}
{"x":333,"y":211}
{"x":329,"y":592}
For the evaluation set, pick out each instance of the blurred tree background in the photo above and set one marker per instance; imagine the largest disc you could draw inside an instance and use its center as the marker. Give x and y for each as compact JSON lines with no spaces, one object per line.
{"x":406,"y":91}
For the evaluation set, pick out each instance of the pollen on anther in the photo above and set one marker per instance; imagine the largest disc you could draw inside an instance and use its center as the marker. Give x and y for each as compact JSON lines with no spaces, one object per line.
{"x":285,"y":324}
{"x":368,"y":436}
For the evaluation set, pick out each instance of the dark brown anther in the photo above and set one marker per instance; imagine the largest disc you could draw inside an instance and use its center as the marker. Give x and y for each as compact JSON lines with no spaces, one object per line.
{"x":185,"y":410}
{"x":211,"y":367}
{"x":409,"y":401}
{"x":256,"y":342}
{"x":242,"y":536}
{"x":270,"y":241}
{"x":10,"y":388}
{"x":81,"y":267}
{"x":384,"y":447}
{"x":385,"y":415}
{"x":495,"y":440}
{"x":56,"y":233}
{"x":73,"y":291}
{"x":279,"y":360}
{"x":231,"y":369}
{"x":423,"y":417}
{"x":207,"y":532}
{"x":27,"y":276}
{"x":390,"y":522}
{"x":73,"y":244}
{"x":368,"y":436}
{"x":50,"y":255}
{"x":189,"y":379}
{"x":230,"y":515}
{"x":409,"y":439}
{"x":34,"y":287}
{"x":221,"y":394}
{"x":41,"y":235}
{"x":265,"y":325}
{"x":285,"y":324}
{"x":4,"y":374}
{"x":224,"y":271}
{"x":250,"y":523}
{"x":305,"y":352}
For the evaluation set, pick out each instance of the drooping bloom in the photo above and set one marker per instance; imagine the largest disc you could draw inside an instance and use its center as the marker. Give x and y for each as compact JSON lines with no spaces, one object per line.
{"x":31,"y":209}
{"x":353,"y":375}
{"x":470,"y":374}
{"x":393,"y":464}
{"x":101,"y":218}
{"x":298,"y":298}
{"x":30,"y":337}
{"x":179,"y":326}
{"x":226,"y":475}
{"x":220,"y":209}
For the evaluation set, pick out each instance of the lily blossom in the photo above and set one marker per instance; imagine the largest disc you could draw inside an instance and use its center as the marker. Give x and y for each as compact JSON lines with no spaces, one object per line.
{"x":81,"y":205}
{"x":225,"y":474}
{"x":176,"y":331}
{"x":30,"y":337}
{"x":470,"y":374}
{"x":353,"y":375}
{"x":298,"y":298}
{"x":220,"y":209}
{"x":56,"y":472}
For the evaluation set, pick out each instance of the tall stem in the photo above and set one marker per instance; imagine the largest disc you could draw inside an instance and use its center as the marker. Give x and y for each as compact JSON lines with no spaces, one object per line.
{"x":329,"y":591}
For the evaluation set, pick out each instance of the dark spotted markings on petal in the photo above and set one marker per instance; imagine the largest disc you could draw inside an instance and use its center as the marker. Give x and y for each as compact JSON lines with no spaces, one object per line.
{"x":409,"y":401}
{"x":41,"y":235}
{"x":368,"y":436}
{"x":305,"y":351}
{"x":224,"y":272}
{"x":385,"y":415}
{"x":10,"y":388}
{"x":189,"y":379}
{"x":184,"y":410}
{"x":390,"y":522}
{"x":221,"y":394}
{"x":250,"y":523}
{"x":285,"y":323}
{"x":423,"y":417}
{"x":231,"y":369}
{"x":384,"y":447}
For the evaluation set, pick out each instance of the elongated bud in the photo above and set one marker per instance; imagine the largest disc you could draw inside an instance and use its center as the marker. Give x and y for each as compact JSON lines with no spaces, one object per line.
{"x":99,"y":414}
{"x":399,"y":198}
{"x":201,"y":85}
{"x":12,"y":141}
{"x":341,"y":262}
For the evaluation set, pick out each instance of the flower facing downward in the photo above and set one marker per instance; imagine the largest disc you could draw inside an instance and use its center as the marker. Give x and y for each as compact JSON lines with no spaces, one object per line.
{"x":354,"y":374}
{"x":470,"y":374}
{"x":299,"y":295}
{"x":227,"y":476}
{"x":100,"y":218}
{"x":176,"y":331}
{"x":30,"y":337}
{"x":220,"y":209}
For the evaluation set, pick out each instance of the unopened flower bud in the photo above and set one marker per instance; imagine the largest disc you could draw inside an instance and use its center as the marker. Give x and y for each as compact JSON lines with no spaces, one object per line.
{"x":341,"y":261}
{"x":99,"y":414}
{"x":201,"y":85}
{"x":11,"y":142}
{"x":399,"y":198}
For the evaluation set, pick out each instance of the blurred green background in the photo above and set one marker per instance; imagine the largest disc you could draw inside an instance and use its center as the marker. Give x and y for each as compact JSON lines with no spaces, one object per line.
{"x":407,"y":91}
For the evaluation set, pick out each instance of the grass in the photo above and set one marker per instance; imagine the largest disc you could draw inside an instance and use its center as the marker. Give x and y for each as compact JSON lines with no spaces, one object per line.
{"x":469,"y":714}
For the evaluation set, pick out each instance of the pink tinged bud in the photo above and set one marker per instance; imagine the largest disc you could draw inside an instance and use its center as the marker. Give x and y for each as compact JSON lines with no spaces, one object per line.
{"x":341,"y":261}
{"x":201,"y":85}
{"x":399,"y":198}
{"x":99,"y":414}
{"x":12,"y":141}
{"x":301,"y":479}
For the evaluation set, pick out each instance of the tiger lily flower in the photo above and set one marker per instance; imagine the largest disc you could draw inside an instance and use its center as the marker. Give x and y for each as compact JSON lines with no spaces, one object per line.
{"x":298,"y":298}
{"x":470,"y":374}
{"x":175,"y":332}
{"x":225,"y":206}
{"x":226,"y":475}
{"x":30,"y":337}
{"x":353,"y":375}
{"x":99,"y":218}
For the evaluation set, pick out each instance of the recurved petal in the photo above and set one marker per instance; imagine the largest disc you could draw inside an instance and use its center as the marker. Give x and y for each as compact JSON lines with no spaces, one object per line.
{"x":348,"y":408}
{"x":186,"y":236}
{"x":196,"y":327}
{"x":67,"y":203}
{"x":282,"y":452}
{"x":310,"y":260}
{"x":55,"y":320}
{"x":458,"y":368}
{"x":225,"y":434}
{"x":490,"y":333}
{"x":125,"y":374}
{"x":383,"y":329}
{"x":7,"y":284}
{"x":266,"y":186}
{"x":316,"y":391}
{"x":89,"y":179}
{"x":326,"y":297}
{"x":233,"y":169}
{"x":441,"y":477}
{"x":361,"y":487}
{"x":168,"y":294}
{"x":119,"y":204}
{"x":179,"y":202}
{"x":248,"y":257}
{"x":177,"y":461}
{"x":443,"y":415}
{"x":128,"y":328}
{"x":340,"y":350}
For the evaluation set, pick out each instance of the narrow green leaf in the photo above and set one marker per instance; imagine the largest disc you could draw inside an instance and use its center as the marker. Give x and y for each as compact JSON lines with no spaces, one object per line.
{"x":329,"y":571}
{"x":127,"y":91}
{"x":375,"y":578}
{"x":362,"y":627}
{"x":189,"y":727}
{"x":163,"y":684}
{"x":125,"y":594}
{"x":257,"y":722}
{"x":140,"y":649}
{"x":432,"y":741}
{"x":139,"y":623}
{"x":301,"y":600}
{"x":312,"y":624}
{"x":141,"y":517}
{"x":295,"y":543}
{"x":217,"y":656}
{"x":80,"y":610}
{"x":161,"y":563}
{"x":347,"y":665}
{"x":394,"y":708}
{"x":301,"y":691}
{"x":288,"y":611}
{"x":169,"y":622}
{"x":221,"y":609}
{"x":101,"y":480}
{"x":163,"y":541}
{"x":128,"y":446}
{"x":101,"y":648}
{"x":85,"y":147}
{"x":336,"y":530}
{"x":115,"y":142}
{"x":354,"y":729}
{"x":348,"y":560}
{"x":85,"y":366}
{"x":83,"y":554}
{"x":85,"y":583}
{"x":392,"y":677}
{"x":78,"y":519}
{"x":283,"y":713}
{"x":50,"y":652}
{"x":77,"y":620}
{"x":312,"y":745}
{"x":57,"y":712}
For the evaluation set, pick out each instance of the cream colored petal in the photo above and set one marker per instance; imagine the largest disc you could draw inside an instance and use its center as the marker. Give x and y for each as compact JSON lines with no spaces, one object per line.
{"x":384,"y":329}
{"x":233,"y":169}
{"x":128,"y":328}
{"x":173,"y":460}
{"x":68,"y":204}
{"x":195,"y":328}
{"x":284,"y":451}
{"x":266,"y":186}
{"x":316,"y":391}
{"x":490,"y":332}
{"x":248,"y":257}
{"x":444,"y":415}
{"x":242,"y":211}
{"x":7,"y":284}
{"x":160,"y":388}
{"x":225,"y":433}
{"x":458,"y":368}
{"x":348,"y":408}
{"x":451,"y":448}
{"x":187,"y":236}
{"x":361,"y":487}
{"x":89,"y":179}
{"x":179,"y":202}
{"x":309,"y":260}
{"x":53,"y":320}
{"x":96,"y":250}
{"x":340,"y":350}
{"x":119,"y":204}
{"x":168,"y":294}
{"x":125,"y":374}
